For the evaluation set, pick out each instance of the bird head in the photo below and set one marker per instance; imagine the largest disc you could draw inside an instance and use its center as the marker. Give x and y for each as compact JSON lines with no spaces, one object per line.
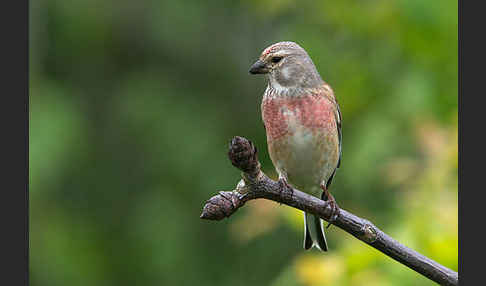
{"x":288,"y":66}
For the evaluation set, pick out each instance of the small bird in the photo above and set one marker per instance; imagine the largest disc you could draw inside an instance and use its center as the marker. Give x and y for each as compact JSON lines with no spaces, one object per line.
{"x":302,"y":120}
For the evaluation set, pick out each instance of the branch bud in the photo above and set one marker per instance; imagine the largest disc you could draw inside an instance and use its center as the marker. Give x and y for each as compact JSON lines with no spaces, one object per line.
{"x":222,"y":205}
{"x":244,"y":155}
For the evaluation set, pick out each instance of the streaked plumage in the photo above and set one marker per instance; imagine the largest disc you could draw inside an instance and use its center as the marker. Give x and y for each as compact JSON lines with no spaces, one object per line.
{"x":303,"y":124}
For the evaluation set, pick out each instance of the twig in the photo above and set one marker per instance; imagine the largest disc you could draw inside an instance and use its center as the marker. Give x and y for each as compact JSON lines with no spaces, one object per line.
{"x":255,"y":184}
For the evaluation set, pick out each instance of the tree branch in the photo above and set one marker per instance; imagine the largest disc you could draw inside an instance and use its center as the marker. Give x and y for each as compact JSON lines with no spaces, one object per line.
{"x":255,"y":184}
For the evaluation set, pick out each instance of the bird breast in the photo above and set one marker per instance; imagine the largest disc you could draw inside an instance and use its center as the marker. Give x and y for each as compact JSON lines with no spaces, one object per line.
{"x":302,"y":137}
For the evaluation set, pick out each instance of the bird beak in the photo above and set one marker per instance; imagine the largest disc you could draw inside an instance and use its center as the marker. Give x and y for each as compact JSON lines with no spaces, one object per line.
{"x":258,"y":67}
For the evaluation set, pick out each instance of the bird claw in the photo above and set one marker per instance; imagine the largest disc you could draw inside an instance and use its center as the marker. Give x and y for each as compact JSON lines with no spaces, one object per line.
{"x":334,"y":213}
{"x":326,"y":196}
{"x":286,"y":191}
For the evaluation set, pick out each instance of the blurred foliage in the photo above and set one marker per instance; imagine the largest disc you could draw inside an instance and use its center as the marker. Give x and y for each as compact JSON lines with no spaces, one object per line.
{"x":132,"y":106}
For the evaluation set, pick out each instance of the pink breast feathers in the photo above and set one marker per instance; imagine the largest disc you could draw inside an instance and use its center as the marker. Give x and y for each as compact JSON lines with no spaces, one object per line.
{"x":310,"y":111}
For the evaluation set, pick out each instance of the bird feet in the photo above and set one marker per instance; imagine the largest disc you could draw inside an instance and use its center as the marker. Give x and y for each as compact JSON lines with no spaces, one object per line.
{"x":286,"y":191}
{"x":326,"y":196}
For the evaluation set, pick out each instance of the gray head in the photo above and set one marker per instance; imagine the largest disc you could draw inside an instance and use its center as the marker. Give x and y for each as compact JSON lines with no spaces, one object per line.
{"x":288,"y":66}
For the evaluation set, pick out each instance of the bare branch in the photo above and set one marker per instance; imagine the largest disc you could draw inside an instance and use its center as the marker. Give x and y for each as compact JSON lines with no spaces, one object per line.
{"x":255,"y":184}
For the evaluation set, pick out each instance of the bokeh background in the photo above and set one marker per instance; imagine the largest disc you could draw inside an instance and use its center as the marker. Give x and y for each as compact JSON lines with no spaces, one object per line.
{"x":133,"y":103}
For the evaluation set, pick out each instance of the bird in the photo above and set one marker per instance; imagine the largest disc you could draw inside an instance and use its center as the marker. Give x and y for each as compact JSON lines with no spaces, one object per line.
{"x":302,"y":120}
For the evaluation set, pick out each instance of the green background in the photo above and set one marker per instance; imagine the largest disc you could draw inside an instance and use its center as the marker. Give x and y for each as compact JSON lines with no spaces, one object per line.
{"x":132,"y":106}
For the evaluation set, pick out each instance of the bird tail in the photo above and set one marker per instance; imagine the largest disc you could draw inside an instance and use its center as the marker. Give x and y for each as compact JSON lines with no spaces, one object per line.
{"x":314,"y":232}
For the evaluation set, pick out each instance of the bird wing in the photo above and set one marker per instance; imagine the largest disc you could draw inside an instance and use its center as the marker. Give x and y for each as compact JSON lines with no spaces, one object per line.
{"x":329,"y":94}
{"x":337,"y":114}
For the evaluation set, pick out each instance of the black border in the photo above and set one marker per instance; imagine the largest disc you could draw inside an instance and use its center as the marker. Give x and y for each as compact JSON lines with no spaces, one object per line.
{"x":471,"y":56}
{"x":14,"y":27}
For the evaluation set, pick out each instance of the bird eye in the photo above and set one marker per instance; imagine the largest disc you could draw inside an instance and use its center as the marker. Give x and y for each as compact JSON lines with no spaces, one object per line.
{"x":276,"y":59}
